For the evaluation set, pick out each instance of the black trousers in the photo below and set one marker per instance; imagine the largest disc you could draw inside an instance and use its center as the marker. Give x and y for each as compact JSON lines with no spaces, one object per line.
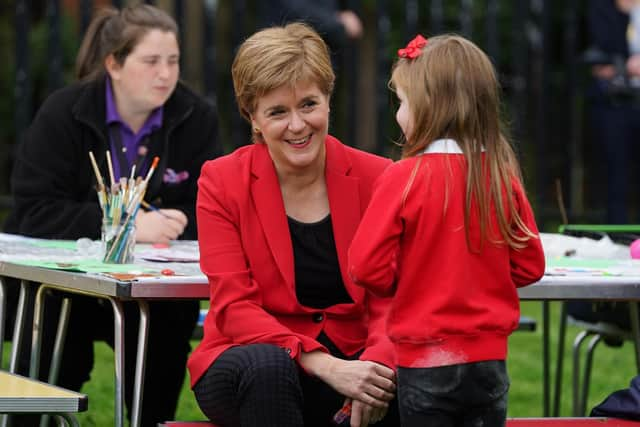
{"x":464,"y":395}
{"x":260,"y":385}
{"x":91,"y":319}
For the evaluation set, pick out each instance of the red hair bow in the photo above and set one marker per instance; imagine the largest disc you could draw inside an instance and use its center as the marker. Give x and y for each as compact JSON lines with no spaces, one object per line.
{"x":414,"y":48}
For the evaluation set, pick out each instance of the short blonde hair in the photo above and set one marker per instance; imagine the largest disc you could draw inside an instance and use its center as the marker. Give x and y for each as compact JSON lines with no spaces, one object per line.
{"x":278,"y":56}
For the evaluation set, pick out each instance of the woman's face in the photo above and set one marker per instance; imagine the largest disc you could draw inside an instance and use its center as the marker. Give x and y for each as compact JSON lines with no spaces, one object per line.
{"x":293,"y":122}
{"x":149,"y":73}
{"x":403,"y":115}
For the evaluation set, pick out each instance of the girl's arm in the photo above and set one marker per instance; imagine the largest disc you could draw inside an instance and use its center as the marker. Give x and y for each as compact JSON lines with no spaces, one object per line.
{"x":373,"y":251}
{"x":527,"y":264}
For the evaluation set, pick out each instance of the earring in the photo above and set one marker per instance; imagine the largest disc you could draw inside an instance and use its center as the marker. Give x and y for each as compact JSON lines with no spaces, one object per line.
{"x":256,"y":130}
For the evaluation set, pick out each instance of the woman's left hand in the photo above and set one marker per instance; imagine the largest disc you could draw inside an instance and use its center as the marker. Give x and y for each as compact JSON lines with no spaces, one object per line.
{"x":366,"y":381}
{"x":363,"y":380}
{"x":363,"y":414}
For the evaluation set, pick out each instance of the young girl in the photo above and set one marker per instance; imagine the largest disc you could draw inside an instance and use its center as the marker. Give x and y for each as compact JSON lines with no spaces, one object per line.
{"x":450,"y":233}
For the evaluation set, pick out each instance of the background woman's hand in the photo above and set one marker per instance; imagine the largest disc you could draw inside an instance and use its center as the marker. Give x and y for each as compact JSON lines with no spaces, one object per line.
{"x":160,"y":226}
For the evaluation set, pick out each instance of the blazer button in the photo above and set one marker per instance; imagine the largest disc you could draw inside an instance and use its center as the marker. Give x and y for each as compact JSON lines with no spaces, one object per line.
{"x":317,"y":317}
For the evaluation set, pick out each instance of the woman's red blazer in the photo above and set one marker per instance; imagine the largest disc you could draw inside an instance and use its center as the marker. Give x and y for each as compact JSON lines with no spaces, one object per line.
{"x":246,"y":252}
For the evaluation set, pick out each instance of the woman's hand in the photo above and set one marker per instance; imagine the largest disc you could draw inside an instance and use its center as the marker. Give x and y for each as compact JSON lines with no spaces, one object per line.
{"x":365,"y":381}
{"x":160,"y":226}
{"x":633,"y":65}
{"x":604,"y":71}
{"x":361,"y":380}
{"x":362,"y":414}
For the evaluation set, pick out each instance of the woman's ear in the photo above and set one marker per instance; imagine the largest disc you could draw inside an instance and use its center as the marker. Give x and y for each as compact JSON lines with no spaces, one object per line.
{"x":112,"y":66}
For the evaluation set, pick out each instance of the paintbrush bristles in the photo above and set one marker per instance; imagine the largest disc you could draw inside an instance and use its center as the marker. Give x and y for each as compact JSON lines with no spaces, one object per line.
{"x":120,"y":202}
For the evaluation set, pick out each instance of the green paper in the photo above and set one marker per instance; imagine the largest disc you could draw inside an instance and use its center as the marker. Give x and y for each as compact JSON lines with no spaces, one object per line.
{"x":58,"y":244}
{"x":87,"y":266}
{"x":567,"y":262}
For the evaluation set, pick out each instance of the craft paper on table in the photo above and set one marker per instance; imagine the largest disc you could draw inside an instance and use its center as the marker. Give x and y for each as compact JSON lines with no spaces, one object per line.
{"x":87,"y":266}
{"x":570,"y":266}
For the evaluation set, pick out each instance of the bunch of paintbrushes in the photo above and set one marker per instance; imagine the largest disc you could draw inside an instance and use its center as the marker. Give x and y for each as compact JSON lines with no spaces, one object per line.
{"x":120,"y":202}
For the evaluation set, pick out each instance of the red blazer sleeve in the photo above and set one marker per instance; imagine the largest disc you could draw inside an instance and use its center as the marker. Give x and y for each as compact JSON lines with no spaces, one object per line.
{"x":528,"y":263}
{"x":236,"y":300}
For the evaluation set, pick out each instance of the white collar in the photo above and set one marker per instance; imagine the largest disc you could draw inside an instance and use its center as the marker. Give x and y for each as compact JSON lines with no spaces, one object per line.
{"x":444,"y":146}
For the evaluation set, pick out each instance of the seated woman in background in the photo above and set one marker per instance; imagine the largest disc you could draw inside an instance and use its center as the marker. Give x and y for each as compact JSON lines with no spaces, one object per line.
{"x":128,"y":101}
{"x":289,"y":338}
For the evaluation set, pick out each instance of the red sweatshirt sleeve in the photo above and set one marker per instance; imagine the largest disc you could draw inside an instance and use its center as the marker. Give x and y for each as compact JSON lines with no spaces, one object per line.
{"x":373,"y":251}
{"x":379,"y":347}
{"x":528,"y":263}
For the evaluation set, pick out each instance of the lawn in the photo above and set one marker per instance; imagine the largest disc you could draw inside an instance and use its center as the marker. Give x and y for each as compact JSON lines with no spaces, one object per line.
{"x":613,"y":369}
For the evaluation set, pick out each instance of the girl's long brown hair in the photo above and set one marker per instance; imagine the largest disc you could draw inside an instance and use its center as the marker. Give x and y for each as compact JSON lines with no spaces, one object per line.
{"x":453,"y":92}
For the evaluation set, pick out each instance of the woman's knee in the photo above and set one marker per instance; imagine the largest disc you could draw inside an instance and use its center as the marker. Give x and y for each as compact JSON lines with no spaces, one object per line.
{"x":269,"y":364}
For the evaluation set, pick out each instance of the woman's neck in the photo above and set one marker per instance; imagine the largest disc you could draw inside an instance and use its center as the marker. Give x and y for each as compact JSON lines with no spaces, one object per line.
{"x":305,"y":194}
{"x":299,"y":180}
{"x":133,"y":118}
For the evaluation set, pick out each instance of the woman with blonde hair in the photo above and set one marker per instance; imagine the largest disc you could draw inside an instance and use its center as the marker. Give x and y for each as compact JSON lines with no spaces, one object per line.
{"x":289,"y":339}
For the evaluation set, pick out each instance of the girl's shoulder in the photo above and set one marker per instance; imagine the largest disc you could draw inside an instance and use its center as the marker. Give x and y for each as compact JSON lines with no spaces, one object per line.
{"x":403,"y":168}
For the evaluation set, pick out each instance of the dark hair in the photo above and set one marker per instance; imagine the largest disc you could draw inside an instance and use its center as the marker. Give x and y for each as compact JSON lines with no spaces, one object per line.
{"x":117,"y":32}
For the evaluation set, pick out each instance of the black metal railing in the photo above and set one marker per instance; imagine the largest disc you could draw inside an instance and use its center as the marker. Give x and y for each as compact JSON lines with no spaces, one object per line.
{"x":541,"y":77}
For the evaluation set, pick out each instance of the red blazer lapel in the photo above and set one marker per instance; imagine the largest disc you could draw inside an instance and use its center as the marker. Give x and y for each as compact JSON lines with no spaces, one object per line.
{"x":269,"y":206}
{"x":344,"y":202}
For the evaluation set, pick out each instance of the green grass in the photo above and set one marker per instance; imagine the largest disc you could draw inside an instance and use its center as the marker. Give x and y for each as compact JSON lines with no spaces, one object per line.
{"x":613,"y":369}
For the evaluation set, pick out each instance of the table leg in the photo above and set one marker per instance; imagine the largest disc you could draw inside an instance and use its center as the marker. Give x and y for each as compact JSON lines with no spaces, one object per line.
{"x":70,"y":419}
{"x":18,"y":327}
{"x":16,"y":340}
{"x":61,"y":334}
{"x":141,"y":356}
{"x":36,"y":339}
{"x":3,"y":305}
{"x":58,"y":348}
{"x":635,"y":330}
{"x":562,"y":329}
{"x":545,"y":359}
{"x":118,"y":353}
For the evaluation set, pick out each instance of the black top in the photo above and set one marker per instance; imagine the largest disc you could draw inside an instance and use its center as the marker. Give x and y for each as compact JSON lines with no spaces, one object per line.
{"x":317,"y":271}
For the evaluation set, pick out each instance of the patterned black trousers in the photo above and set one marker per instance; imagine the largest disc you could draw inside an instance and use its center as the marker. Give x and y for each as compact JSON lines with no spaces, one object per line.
{"x":260,"y":385}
